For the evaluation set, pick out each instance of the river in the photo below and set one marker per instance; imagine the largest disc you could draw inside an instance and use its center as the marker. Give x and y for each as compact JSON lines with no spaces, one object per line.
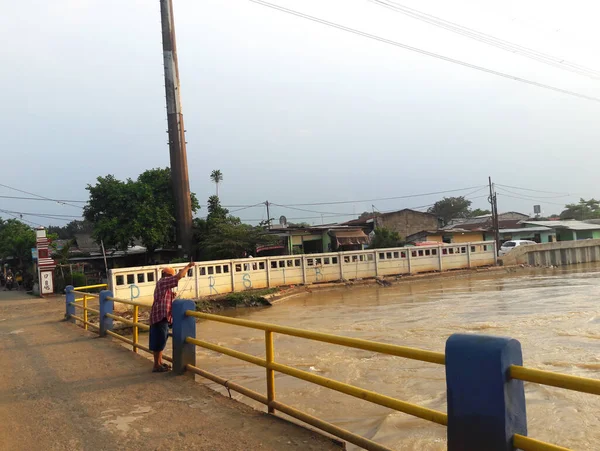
{"x":555,"y":313}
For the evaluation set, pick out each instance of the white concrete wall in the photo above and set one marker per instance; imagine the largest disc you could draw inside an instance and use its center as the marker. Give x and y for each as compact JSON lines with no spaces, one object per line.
{"x":556,"y":254}
{"x":225,"y":276}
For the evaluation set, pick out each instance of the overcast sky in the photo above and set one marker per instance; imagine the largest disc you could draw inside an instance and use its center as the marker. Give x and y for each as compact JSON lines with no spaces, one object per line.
{"x":293,"y":111}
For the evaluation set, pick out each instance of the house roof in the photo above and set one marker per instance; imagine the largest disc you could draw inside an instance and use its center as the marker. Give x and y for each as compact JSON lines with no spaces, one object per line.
{"x":526,"y":229}
{"x":567,"y":224}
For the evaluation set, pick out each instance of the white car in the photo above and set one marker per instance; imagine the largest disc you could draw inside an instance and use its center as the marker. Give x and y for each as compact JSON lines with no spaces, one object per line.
{"x":510,"y":245}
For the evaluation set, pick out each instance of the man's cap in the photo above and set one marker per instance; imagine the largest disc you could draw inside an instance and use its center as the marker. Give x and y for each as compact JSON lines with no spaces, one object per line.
{"x":168,"y":270}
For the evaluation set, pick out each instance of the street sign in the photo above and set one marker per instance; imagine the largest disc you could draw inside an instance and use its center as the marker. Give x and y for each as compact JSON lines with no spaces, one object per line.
{"x":34,"y":254}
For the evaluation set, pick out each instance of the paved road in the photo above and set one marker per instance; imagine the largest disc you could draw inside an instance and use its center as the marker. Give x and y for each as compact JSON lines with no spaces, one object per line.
{"x":62,"y":388}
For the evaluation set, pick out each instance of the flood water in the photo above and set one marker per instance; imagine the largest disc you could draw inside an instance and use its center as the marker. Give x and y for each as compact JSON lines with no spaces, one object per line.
{"x":555,"y":313}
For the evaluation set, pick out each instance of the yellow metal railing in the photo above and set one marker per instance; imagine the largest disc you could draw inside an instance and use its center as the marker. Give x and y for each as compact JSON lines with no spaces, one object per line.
{"x":90,"y":287}
{"x":271,"y":367}
{"x":524,"y":443}
{"x":85,"y":296}
{"x":84,"y":307}
{"x":575,"y":383}
{"x":134,"y":323}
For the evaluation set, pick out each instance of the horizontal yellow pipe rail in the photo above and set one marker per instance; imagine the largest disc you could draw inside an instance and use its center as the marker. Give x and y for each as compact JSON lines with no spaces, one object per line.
{"x":129,"y":322}
{"x":89,"y":295}
{"x":575,"y":383}
{"x":328,"y":427}
{"x":308,"y":419}
{"x":93,"y":310}
{"x":130,"y":342}
{"x":89,"y":309}
{"x":125,"y":301}
{"x":81,"y":320}
{"x":371,"y":396}
{"x":89,"y":287}
{"x":531,"y":444}
{"x":367,"y":345}
{"x":357,"y":392}
{"x":227,"y":384}
{"x":230,"y":352}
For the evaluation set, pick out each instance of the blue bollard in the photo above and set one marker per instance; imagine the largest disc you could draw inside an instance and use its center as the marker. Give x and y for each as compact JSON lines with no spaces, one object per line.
{"x":70,"y":297}
{"x":106,"y":306}
{"x":485,"y":407}
{"x":183,"y":327}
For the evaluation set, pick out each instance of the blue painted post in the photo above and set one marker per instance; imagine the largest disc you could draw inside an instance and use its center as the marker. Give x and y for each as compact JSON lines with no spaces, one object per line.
{"x":485,"y":407}
{"x":183,"y":327}
{"x":70,"y":297}
{"x":106,"y":306}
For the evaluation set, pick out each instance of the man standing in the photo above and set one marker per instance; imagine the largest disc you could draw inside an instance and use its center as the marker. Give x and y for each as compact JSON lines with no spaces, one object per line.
{"x":160,"y":315}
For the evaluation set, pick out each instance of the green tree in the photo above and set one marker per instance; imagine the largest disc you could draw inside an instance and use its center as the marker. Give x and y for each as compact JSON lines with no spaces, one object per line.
{"x":68,"y":232}
{"x":450,"y":208}
{"x":479,"y":212}
{"x":385,"y":238}
{"x":222,"y":236}
{"x":16,"y":241}
{"x":217,"y":177}
{"x":142,"y":209}
{"x":62,"y":255}
{"x":585,"y":209}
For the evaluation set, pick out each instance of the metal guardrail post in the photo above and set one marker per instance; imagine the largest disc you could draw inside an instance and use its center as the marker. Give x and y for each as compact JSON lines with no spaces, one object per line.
{"x":85,"y":313}
{"x":136,"y":314}
{"x":270,"y":354}
{"x":70,"y":299}
{"x":183,"y":327}
{"x":485,"y":407}
{"x":106,"y":306}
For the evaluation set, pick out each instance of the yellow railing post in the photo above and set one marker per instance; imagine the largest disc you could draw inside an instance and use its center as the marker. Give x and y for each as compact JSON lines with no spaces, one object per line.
{"x":85,"y":313}
{"x":270,"y":373}
{"x":135,"y":327}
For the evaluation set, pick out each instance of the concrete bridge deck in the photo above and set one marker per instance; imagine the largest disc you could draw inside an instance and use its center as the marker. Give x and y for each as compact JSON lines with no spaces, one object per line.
{"x":62,"y":388}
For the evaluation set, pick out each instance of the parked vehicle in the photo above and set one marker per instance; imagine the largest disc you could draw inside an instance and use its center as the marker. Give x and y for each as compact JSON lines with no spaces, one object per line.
{"x":510,"y":245}
{"x":10,"y":281}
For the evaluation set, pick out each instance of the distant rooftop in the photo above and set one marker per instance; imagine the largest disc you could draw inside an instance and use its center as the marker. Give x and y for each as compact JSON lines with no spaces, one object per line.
{"x":566,"y":224}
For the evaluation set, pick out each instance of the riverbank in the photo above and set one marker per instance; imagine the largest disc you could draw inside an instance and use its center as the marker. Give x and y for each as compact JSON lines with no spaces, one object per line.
{"x":286,"y":293}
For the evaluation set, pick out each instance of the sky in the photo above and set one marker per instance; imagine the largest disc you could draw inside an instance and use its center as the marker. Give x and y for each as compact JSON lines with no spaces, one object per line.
{"x":296,"y":112}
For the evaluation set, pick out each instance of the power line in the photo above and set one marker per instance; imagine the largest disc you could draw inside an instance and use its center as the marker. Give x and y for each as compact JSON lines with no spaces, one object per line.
{"x":424,"y":52}
{"x":41,"y":197}
{"x":530,"y":199}
{"x":533,"y":190}
{"x":489,"y":39}
{"x":42,"y":214}
{"x":408,"y":196}
{"x":333,"y":215}
{"x":48,"y":200}
{"x":312,"y":211}
{"x":21,"y":219}
{"x":260,"y":204}
{"x":537,"y":197}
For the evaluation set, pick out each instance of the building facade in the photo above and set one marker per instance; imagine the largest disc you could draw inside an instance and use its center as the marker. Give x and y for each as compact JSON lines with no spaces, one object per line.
{"x":407,"y":222}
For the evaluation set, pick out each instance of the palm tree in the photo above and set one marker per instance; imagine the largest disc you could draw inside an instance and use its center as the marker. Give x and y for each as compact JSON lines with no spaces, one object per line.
{"x":217,"y":177}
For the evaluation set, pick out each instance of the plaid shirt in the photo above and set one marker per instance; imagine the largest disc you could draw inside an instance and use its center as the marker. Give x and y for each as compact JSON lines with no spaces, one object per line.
{"x":163,"y":298}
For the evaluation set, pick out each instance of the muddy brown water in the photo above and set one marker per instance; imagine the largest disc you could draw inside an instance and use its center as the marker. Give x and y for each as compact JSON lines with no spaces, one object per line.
{"x":555,"y":313}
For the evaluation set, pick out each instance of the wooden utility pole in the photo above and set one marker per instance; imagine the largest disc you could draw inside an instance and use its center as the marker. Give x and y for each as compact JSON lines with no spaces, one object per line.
{"x":495,"y":222}
{"x":268,"y":215}
{"x":178,"y":156}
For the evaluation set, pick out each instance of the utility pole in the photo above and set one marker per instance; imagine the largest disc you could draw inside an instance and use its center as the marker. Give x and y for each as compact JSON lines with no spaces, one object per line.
{"x":495,"y":223}
{"x":178,"y":156}
{"x":268,"y":215}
